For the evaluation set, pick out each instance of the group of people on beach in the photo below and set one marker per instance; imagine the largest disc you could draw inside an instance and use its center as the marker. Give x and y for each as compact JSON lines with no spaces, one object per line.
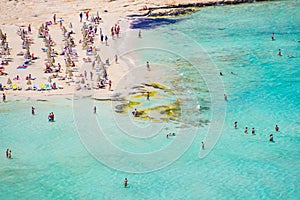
{"x":253,"y":130}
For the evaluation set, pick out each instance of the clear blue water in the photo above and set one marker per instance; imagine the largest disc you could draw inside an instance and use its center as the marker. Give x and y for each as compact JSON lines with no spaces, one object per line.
{"x":71,"y":158}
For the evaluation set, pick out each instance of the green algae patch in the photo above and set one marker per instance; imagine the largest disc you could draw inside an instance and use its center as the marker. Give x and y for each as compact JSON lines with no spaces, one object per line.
{"x":159,"y":86}
{"x":122,"y":108}
{"x":144,"y":94}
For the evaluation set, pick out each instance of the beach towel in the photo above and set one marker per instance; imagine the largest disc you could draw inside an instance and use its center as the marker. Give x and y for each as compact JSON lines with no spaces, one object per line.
{"x":47,"y":87}
{"x":14,"y":86}
{"x":22,"y":67}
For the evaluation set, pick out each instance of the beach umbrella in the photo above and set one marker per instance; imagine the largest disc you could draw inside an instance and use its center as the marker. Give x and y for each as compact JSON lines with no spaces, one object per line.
{"x":82,"y":81}
{"x":98,"y":59}
{"x":9,"y":81}
{"x":7,"y":53}
{"x":29,"y":82}
{"x":67,"y":70}
{"x":49,"y":54}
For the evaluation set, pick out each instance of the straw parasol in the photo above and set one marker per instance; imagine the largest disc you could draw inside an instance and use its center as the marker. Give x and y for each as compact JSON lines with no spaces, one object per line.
{"x":98,"y":78}
{"x":98,"y":59}
{"x":9,"y":81}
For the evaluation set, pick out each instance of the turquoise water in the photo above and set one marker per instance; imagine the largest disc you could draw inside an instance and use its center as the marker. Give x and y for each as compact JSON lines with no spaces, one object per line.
{"x":58,"y":161}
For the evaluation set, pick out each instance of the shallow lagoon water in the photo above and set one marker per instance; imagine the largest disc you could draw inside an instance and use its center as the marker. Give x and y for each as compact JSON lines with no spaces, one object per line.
{"x":50,"y":161}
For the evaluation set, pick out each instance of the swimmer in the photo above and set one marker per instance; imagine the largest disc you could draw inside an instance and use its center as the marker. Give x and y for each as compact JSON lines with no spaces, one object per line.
{"x":32,"y":110}
{"x":202,"y":144}
{"x":235,"y":125}
{"x":125,"y":182}
{"x":253,"y":131}
{"x":271,"y":138}
{"x":246,"y":130}
{"x":276,"y":128}
{"x":279,"y":52}
{"x":221,"y":74}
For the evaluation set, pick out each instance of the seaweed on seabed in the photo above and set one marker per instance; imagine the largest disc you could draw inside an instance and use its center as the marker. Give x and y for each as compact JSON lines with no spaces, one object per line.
{"x":122,"y":108}
{"x":159,"y":86}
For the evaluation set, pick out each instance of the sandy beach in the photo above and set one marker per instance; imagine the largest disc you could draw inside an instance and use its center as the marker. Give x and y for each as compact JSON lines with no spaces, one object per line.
{"x":37,"y":13}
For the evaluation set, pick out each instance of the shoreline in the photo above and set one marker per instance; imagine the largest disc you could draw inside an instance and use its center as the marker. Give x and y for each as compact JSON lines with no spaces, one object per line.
{"x":180,"y":9}
{"x":115,"y":71}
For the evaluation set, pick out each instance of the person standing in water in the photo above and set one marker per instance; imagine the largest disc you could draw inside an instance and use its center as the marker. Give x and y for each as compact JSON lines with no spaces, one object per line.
{"x":7,"y":152}
{"x":276,"y":128}
{"x":4,"y":97}
{"x":148,"y":95}
{"x":140,"y":34}
{"x":235,"y":125}
{"x":202,"y":144}
{"x":279,"y":52}
{"x":225,"y":97}
{"x":32,"y":110}
{"x":125,"y":182}
{"x":246,"y":130}
{"x":273,"y":36}
{"x":95,"y":109}
{"x":148,"y":66}
{"x":271,"y":138}
{"x":253,"y":131}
